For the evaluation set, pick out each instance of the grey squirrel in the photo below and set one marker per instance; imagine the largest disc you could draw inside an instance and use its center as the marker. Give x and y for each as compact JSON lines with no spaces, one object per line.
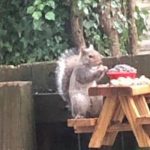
{"x":75,"y":73}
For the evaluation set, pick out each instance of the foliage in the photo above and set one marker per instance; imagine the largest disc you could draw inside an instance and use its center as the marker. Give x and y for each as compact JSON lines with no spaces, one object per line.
{"x":91,"y":24}
{"x":92,"y":28}
{"x":141,"y":17}
{"x":40,"y":30}
{"x":32,"y":33}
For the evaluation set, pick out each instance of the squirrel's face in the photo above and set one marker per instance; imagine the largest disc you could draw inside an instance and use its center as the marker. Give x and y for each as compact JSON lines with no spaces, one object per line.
{"x":89,"y":56}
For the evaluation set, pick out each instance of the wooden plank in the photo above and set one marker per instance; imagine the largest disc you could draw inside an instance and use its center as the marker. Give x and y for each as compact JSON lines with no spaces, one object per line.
{"x":142,"y":105}
{"x":11,"y":124}
{"x":117,"y":117}
{"x":82,"y":122}
{"x":103,"y":123}
{"x":119,"y":91}
{"x":44,"y":81}
{"x":16,"y":113}
{"x":140,"y":90}
{"x":131,"y":112}
{"x":86,"y":129}
{"x":27,"y":117}
{"x":143,"y":120}
{"x":119,"y":114}
{"x":1,"y":116}
{"x":9,"y":73}
{"x":118,"y":127}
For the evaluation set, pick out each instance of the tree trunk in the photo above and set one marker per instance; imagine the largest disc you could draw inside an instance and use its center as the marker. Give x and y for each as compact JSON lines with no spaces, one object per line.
{"x":76,"y":26}
{"x":106,"y":20}
{"x":133,"y":36}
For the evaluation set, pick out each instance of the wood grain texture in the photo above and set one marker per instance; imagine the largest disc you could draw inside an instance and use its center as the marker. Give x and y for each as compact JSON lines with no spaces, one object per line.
{"x":103,"y":123}
{"x":143,"y":120}
{"x":119,"y":91}
{"x":130,"y":109}
{"x":117,"y":118}
{"x":81,"y":122}
{"x":17,"y":124}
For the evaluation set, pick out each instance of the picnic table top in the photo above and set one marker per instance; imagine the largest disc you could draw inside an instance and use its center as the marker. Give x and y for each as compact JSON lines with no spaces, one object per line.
{"x":107,"y":90}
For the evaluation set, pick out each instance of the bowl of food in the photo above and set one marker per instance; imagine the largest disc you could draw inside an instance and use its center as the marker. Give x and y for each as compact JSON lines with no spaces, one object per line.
{"x":116,"y":75}
{"x":122,"y":70}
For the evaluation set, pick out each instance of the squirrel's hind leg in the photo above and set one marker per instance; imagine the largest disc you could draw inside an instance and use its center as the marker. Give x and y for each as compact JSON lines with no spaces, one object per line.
{"x":96,"y":105}
{"x":80,"y":105}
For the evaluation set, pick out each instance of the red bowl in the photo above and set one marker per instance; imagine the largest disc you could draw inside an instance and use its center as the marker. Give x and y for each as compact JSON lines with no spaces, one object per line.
{"x":116,"y":75}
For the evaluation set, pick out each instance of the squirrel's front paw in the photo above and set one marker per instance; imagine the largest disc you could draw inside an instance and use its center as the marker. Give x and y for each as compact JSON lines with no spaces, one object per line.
{"x":103,"y":68}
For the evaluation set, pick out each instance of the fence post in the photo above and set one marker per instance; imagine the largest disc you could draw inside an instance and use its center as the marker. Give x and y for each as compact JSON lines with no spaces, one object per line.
{"x":17,"y":130}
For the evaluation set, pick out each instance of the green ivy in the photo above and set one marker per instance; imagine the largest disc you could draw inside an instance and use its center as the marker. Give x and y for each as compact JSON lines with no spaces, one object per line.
{"x":91,"y":23}
{"x":40,"y":30}
{"x":35,"y":32}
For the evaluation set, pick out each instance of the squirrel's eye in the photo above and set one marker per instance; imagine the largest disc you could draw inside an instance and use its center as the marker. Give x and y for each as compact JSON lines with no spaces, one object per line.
{"x":90,"y":56}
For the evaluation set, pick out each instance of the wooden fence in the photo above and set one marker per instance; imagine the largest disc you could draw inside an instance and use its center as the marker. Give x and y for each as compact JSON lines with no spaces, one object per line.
{"x":42,"y":76}
{"x":15,"y":109}
{"x":17,"y":128}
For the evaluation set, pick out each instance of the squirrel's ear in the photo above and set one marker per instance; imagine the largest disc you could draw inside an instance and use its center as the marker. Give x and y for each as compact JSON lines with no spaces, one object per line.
{"x":85,"y":49}
{"x":91,"y":46}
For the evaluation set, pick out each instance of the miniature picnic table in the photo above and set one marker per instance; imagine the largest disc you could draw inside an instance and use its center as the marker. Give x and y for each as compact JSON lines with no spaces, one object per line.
{"x":120,"y":102}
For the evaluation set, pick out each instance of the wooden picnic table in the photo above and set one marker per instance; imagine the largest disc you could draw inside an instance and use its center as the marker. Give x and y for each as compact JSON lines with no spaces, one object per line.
{"x":120,"y":102}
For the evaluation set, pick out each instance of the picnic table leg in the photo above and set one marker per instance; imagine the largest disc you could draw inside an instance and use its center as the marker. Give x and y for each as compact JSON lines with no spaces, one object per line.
{"x":142,"y":105}
{"x":109,"y":139}
{"x":129,"y":106}
{"x":143,"y":108}
{"x":103,"y":122}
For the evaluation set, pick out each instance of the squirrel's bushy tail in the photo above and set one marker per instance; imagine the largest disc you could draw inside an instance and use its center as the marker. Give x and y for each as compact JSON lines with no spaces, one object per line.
{"x":65,"y":65}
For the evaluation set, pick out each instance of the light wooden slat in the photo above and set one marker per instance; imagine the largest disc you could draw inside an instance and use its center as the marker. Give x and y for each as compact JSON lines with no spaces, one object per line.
{"x":81,"y":122}
{"x":119,"y":127}
{"x":142,"y":105}
{"x":103,"y":122}
{"x":81,"y":129}
{"x":119,"y":91}
{"x":143,"y":120}
{"x":131,"y":112}
{"x":118,"y":116}
{"x":140,"y":90}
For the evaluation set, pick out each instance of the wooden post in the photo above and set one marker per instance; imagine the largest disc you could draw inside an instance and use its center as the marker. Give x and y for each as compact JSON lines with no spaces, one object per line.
{"x":16,"y":116}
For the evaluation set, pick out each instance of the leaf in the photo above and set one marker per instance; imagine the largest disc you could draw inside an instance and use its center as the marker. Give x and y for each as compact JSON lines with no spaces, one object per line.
{"x":118,"y":27}
{"x":86,"y":11}
{"x":114,"y":4}
{"x":94,"y":5}
{"x":30,"y":10}
{"x":37,"y":15}
{"x":88,"y":24}
{"x":37,"y":25}
{"x":17,"y":54}
{"x":41,"y":6}
{"x":80,"y":5}
{"x":37,"y":2}
{"x":51,"y":3}
{"x":50,"y":15}
{"x":87,"y":1}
